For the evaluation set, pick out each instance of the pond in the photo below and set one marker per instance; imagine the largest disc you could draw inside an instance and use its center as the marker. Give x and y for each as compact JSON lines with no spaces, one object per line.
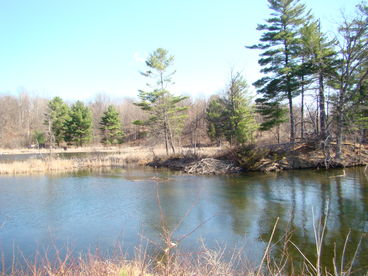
{"x":106,"y":208}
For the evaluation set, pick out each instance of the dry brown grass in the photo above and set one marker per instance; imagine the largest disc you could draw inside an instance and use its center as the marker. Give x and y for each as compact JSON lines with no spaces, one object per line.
{"x":59,"y":150}
{"x":214,"y":262}
{"x":93,"y":266}
{"x":32,"y":166}
{"x":111,"y":157}
{"x":206,"y":262}
{"x":49,"y":165}
{"x":111,"y":149}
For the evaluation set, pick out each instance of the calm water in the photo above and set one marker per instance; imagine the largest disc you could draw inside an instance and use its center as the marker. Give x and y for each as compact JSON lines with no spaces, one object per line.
{"x":101,"y":209}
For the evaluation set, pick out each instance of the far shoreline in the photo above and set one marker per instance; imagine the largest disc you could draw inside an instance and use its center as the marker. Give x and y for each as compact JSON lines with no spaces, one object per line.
{"x":203,"y":160}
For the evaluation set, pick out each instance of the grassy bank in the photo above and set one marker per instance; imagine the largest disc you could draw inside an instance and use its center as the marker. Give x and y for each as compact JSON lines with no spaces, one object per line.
{"x":208,"y":262}
{"x":222,"y":161}
{"x":98,"y":158}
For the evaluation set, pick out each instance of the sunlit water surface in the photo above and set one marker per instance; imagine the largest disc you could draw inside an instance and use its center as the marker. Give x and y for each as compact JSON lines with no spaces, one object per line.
{"x":119,"y":209}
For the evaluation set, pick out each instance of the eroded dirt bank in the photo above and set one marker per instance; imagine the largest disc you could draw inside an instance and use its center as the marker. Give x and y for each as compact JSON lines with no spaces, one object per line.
{"x":267,"y":158}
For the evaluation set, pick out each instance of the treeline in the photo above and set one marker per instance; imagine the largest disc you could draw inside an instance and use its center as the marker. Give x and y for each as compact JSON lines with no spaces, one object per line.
{"x":296,"y":57}
{"x":28,"y":120}
{"x":314,"y":86}
{"x":157,"y":118}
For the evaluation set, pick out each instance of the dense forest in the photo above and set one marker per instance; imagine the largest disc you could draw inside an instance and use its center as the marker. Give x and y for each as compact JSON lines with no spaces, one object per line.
{"x":314,"y":86}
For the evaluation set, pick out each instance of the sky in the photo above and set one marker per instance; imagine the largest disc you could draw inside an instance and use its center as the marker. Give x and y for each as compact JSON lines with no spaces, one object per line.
{"x":77,"y":49}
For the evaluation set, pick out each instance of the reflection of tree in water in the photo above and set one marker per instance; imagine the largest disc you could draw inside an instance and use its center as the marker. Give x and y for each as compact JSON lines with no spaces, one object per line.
{"x":239,"y":195}
{"x":170,"y":204}
{"x":345,"y":213}
{"x":274,"y":207}
{"x":170,"y":211}
{"x":252,"y":205}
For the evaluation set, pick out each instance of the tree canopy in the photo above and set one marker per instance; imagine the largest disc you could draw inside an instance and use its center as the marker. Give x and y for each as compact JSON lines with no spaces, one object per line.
{"x":164,"y":109}
{"x":231,"y":115}
{"x":79,"y":125}
{"x":55,"y":119}
{"x":111,"y":128}
{"x":280,"y":43}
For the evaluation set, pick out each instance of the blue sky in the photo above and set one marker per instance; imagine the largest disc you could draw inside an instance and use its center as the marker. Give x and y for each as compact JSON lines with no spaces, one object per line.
{"x":78,"y":48}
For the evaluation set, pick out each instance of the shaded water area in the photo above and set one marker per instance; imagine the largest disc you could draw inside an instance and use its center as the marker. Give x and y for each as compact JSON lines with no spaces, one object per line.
{"x":100,"y":209}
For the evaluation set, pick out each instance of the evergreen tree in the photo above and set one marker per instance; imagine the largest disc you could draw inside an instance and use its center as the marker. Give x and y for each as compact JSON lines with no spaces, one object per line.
{"x":280,"y":45}
{"x":215,"y":119}
{"x":273,"y":113}
{"x":111,"y":127}
{"x":231,"y":115}
{"x":360,"y":112}
{"x":79,"y":125}
{"x":319,"y":62}
{"x":166,"y":114}
{"x":240,"y":123}
{"x":56,"y":117}
{"x":39,"y":138}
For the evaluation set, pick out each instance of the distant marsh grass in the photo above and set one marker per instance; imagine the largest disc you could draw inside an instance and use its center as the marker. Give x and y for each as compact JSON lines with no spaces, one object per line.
{"x":118,"y":157}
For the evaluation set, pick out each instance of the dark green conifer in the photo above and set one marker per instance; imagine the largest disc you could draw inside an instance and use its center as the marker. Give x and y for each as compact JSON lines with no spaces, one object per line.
{"x":111,"y":129}
{"x":79,"y":125}
{"x":279,"y":43}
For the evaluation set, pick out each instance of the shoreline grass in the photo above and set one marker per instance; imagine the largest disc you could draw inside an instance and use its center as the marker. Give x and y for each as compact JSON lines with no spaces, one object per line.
{"x":247,"y":158}
{"x":170,"y":261}
{"x":130,"y":156}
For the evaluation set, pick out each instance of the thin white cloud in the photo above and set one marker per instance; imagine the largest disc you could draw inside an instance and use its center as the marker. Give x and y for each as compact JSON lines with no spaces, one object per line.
{"x":138,"y":57}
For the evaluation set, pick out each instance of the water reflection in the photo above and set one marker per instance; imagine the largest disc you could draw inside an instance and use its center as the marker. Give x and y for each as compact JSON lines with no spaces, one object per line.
{"x":89,"y":209}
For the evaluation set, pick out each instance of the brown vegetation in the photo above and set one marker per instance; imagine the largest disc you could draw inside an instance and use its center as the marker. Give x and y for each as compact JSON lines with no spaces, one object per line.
{"x":98,"y":158}
{"x":206,"y":160}
{"x":298,"y":156}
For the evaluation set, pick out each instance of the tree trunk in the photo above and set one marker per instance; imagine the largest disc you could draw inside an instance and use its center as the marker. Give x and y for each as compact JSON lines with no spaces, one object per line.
{"x":289,"y":93}
{"x":364,"y":136}
{"x":292,"y":123}
{"x":317,"y":118}
{"x":170,"y":137}
{"x":171,"y":141}
{"x":302,"y":113}
{"x":339,"y":137}
{"x":322,"y":112}
{"x":166,"y":139}
{"x":339,"y":125}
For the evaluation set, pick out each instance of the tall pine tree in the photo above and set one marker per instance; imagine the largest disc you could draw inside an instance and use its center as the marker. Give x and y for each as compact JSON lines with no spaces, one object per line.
{"x":279,"y":59}
{"x":165,"y":113}
{"x":319,"y":63}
